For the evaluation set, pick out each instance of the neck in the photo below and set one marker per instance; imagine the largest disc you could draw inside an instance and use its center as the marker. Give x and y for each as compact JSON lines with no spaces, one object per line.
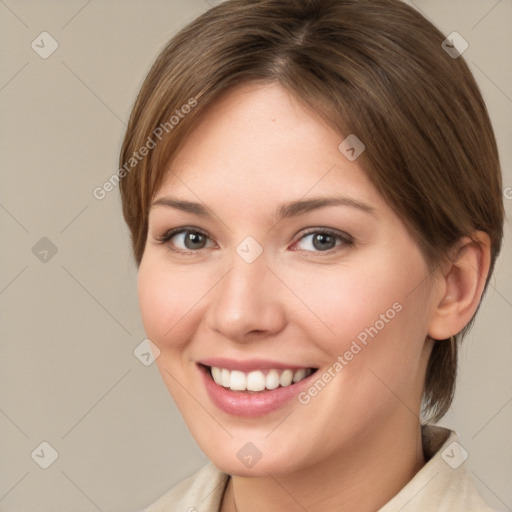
{"x":365,"y":478}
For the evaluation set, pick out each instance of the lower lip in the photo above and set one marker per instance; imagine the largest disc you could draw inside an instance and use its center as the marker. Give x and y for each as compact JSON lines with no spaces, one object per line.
{"x":250,"y":405}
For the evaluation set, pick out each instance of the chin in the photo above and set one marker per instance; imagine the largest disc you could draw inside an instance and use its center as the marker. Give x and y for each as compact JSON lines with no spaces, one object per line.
{"x":257,"y":458}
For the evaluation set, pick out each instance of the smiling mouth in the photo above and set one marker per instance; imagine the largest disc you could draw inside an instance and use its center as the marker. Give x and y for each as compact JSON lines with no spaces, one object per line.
{"x":257,"y":381}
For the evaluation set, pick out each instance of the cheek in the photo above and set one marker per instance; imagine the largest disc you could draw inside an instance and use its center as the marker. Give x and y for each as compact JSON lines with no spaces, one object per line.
{"x":166,"y":296}
{"x":348,"y":301}
{"x":375,"y":314}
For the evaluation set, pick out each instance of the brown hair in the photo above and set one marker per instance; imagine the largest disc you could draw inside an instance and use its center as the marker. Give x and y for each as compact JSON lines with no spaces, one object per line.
{"x":374,"y":68}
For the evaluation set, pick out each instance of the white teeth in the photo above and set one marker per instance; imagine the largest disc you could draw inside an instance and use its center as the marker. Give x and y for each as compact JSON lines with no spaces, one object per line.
{"x":272,"y":380}
{"x":256,"y":380}
{"x":216,"y":374}
{"x":224,"y":377}
{"x":286,"y":378}
{"x":238,"y":381}
{"x":299,"y":375}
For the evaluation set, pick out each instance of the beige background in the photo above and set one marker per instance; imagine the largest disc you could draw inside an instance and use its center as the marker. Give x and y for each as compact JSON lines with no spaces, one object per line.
{"x":70,"y":324}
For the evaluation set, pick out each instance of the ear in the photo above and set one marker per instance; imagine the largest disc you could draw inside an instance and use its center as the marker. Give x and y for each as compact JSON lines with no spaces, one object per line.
{"x":462,"y":282}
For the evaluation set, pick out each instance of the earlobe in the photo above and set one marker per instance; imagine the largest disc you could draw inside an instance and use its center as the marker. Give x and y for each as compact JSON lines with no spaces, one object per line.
{"x":463,"y":283}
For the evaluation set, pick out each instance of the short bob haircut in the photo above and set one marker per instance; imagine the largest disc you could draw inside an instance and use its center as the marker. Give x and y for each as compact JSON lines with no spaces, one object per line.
{"x":373,"y":68}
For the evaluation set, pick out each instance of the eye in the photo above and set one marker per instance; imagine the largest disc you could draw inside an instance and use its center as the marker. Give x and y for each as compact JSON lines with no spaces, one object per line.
{"x":324,"y":240}
{"x":191,"y":240}
{"x":187,"y":239}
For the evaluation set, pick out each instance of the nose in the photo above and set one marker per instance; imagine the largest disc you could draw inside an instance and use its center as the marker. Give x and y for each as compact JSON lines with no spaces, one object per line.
{"x":247,"y":303}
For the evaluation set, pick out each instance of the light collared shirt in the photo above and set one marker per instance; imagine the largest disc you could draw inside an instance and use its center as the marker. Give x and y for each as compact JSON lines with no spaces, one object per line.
{"x":442,"y":485}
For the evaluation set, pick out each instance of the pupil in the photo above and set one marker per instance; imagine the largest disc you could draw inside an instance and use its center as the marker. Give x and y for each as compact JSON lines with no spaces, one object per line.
{"x":193,"y":238}
{"x":320,"y":241}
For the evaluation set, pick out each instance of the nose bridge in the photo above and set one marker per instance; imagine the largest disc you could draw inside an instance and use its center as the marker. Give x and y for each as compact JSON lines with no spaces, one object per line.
{"x":245,"y":300}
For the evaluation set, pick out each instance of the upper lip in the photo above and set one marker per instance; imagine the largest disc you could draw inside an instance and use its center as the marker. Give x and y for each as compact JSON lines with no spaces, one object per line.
{"x":249,"y":365}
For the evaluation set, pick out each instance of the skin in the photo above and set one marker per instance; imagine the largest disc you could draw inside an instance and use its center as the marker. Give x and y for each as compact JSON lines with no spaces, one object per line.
{"x":357,"y":442}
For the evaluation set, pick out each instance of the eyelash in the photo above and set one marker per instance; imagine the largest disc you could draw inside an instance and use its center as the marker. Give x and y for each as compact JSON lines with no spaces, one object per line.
{"x":345,"y":238}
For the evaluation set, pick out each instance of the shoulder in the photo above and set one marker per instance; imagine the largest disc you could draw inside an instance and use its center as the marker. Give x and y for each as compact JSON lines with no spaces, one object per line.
{"x":201,"y":491}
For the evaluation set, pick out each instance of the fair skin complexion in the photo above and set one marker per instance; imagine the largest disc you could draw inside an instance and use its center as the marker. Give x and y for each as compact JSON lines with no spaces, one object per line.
{"x":356,"y":443}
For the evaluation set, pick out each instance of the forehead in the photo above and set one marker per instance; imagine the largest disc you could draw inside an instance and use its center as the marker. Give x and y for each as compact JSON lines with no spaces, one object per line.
{"x":260,"y":142}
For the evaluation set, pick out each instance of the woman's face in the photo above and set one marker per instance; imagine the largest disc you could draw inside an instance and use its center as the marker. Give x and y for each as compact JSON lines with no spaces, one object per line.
{"x":288,"y":261}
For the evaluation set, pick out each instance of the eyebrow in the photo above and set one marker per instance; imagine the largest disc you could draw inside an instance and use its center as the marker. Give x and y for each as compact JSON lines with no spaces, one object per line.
{"x":286,"y":210}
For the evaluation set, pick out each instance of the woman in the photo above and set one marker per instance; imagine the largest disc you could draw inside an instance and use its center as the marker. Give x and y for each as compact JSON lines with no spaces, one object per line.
{"x":314,"y":197}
